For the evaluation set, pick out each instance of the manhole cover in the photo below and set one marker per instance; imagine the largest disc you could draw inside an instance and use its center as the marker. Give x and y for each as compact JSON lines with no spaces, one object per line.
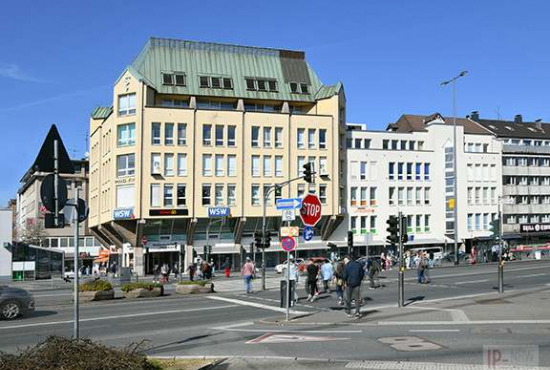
{"x":492,"y":301}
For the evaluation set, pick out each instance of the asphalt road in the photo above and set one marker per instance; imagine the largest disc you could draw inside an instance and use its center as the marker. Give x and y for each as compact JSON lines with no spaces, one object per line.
{"x":235,"y":325}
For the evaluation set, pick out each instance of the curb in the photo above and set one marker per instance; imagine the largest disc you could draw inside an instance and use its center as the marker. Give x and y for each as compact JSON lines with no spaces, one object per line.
{"x":220,"y":359}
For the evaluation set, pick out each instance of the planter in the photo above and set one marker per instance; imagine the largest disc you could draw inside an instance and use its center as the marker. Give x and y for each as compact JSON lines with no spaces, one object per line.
{"x":194,"y":289}
{"x":102,"y":295}
{"x":143,"y":293}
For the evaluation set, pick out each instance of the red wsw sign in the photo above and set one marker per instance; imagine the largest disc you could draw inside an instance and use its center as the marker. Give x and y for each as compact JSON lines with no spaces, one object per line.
{"x":310,"y":212}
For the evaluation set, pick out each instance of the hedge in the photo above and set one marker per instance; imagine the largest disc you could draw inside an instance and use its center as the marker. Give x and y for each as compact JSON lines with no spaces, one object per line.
{"x":95,"y":286}
{"x":139,"y":285}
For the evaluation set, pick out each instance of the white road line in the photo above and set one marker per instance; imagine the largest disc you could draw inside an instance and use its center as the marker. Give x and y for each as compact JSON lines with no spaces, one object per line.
{"x":462,"y":323}
{"x":155,"y":313}
{"x":471,"y":282}
{"x":528,"y":276}
{"x":435,"y":331}
{"x":404,"y":365}
{"x":456,"y":315}
{"x":257,"y":305}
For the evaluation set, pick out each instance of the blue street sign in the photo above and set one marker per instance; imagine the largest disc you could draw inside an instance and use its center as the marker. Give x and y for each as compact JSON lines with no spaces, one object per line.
{"x":308,"y":233}
{"x":218,"y":211}
{"x":123,"y":213}
{"x":289,"y":203}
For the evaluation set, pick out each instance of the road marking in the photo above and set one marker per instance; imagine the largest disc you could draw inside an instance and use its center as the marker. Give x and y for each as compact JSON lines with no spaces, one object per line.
{"x":52,"y":295}
{"x":461,"y":323}
{"x":403,"y":365}
{"x":256,"y":305}
{"x":290,"y":338}
{"x":528,"y":276}
{"x":456,"y":315}
{"x":471,"y":282}
{"x":238,"y":328}
{"x":434,"y":331}
{"x":409,"y":344}
{"x":155,"y":313}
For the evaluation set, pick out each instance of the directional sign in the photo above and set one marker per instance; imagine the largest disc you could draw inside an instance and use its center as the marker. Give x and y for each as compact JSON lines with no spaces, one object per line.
{"x":218,"y":211}
{"x":289,"y":203}
{"x":288,"y":215}
{"x":288,"y":243}
{"x":308,"y":233}
{"x":310,"y":213}
{"x":290,"y":231}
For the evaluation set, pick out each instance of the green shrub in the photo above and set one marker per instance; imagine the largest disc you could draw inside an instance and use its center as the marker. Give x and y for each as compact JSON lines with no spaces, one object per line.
{"x":95,"y":286}
{"x":139,"y":285}
{"x":198,"y":282}
{"x":62,"y":353}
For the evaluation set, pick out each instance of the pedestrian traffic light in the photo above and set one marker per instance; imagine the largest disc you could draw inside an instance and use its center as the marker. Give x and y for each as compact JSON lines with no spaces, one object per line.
{"x":309,"y":173}
{"x":495,"y":228}
{"x":404,"y":226}
{"x":393,"y":230}
{"x":267,"y":240}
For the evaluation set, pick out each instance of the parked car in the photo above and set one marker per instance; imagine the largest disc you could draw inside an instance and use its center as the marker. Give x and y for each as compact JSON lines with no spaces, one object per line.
{"x":280,"y":267}
{"x":15,"y":302}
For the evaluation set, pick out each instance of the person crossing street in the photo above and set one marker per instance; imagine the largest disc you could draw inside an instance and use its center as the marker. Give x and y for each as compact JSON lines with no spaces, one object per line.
{"x":353,"y":276}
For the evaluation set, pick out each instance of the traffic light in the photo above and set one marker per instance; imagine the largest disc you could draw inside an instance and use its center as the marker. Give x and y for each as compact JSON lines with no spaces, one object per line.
{"x":309,"y":173}
{"x":393,"y":230}
{"x":404,"y":236}
{"x":267,"y":240}
{"x":495,"y":228}
{"x":350,"y":242}
{"x":258,"y":239}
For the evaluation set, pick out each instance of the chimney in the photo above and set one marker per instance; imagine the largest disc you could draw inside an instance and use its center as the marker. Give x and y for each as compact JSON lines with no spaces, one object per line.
{"x":475,"y":115}
{"x":538,"y":123}
{"x":518,"y":119}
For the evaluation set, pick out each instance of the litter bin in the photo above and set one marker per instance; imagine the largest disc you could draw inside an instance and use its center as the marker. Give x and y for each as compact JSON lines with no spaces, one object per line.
{"x":287,"y":295}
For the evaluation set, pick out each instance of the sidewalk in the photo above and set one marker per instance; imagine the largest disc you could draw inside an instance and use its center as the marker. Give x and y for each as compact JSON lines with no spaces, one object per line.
{"x":515,"y":307}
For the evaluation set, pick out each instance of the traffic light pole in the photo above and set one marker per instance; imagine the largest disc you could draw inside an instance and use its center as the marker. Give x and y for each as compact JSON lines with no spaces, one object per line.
{"x":401,"y":275}
{"x":501,"y":245}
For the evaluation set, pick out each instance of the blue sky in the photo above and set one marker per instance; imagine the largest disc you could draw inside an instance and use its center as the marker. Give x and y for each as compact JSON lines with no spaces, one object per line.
{"x":59,"y":61}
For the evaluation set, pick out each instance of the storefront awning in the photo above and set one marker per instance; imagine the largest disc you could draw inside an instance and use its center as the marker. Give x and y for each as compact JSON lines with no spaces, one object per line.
{"x":101,"y":260}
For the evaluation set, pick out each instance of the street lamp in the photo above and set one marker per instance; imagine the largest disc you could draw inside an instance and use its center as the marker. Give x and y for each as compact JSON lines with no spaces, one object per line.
{"x":455,"y":208}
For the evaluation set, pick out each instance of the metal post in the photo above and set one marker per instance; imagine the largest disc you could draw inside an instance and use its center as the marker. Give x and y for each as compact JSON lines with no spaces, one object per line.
{"x":180,"y":262}
{"x":288,"y":296}
{"x":501,"y":245}
{"x":55,"y":182}
{"x":401,"y":275}
{"x":264,"y":206}
{"x":76,"y":268}
{"x":455,"y":182}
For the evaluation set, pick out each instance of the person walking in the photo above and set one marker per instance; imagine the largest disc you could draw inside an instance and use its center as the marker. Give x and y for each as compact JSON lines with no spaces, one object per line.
{"x":293,"y":277}
{"x":373,"y":272}
{"x":353,"y":276}
{"x":247,"y":273}
{"x":339,"y":281}
{"x":312,"y":275}
{"x":227,"y":267}
{"x":420,"y":268}
{"x":212,"y":268}
{"x":164,"y":271}
{"x":327,"y":272}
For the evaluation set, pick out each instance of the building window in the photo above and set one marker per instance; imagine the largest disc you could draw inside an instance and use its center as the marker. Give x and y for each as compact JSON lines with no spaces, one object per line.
{"x":168,"y":164}
{"x":207,"y":164}
{"x":409,"y":171}
{"x":250,"y":84}
{"x":126,"y":134}
{"x":182,"y":200}
{"x":373,"y":202}
{"x":255,"y":195}
{"x":278,"y":137}
{"x":400,"y":196}
{"x":426,"y":223}
{"x":125,"y":165}
{"x":204,"y":81}
{"x":231,"y":136}
{"x":301,"y":162}
{"x":470,"y":196}
{"x":206,"y":194}
{"x":400,"y":171}
{"x":218,"y":194}
{"x":478,"y":222}
{"x":418,"y":223}
{"x":391,"y":170}
{"x":265,"y":196}
{"x":323,"y":138}
{"x":127,"y":104}
{"x":182,"y":164}
{"x":231,"y":194}
{"x":155,"y":133}
{"x":182,"y":133}
{"x":426,"y":171}
{"x":155,"y":195}
{"x":426,"y":196}
{"x":385,"y":144}
{"x":255,"y":165}
{"x":231,"y":165}
{"x":410,"y":199}
{"x":125,"y":196}
{"x":267,"y":137}
{"x":294,"y":87}
{"x":418,"y":171}
{"x":155,"y":164}
{"x":267,"y":166}
{"x":207,"y":135}
{"x":168,"y":195}
{"x":301,"y":190}
{"x":323,"y":193}
{"x":219,"y":135}
{"x":167,"y":79}
{"x":470,"y":218}
{"x":418,"y":197}
{"x":391,"y":196}
{"x":180,"y":79}
{"x":311,"y":138}
{"x":363,"y":170}
{"x":255,"y":136}
{"x":278,"y":166}
{"x":219,"y":165}
{"x":301,"y":138}
{"x":168,"y":133}
{"x":323,"y":166}
{"x":216,"y":82}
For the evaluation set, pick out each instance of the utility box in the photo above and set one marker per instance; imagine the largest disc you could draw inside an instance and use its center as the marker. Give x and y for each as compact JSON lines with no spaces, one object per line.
{"x":287,"y":294}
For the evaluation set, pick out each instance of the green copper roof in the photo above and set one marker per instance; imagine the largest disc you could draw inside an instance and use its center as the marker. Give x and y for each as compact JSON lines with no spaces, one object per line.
{"x":102,"y":112}
{"x":196,"y":59}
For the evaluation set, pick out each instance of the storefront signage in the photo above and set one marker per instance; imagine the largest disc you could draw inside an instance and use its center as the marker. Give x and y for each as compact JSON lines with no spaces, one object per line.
{"x":218,"y":211}
{"x":125,"y":180}
{"x":123,"y":213}
{"x":168,"y":212}
{"x":534,"y":228}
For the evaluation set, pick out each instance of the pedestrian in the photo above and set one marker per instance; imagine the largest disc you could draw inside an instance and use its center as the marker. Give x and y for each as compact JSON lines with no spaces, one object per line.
{"x":408,"y":260}
{"x":212,"y":268}
{"x":339,"y":281}
{"x":175,"y":270}
{"x":327,"y":271}
{"x":164,"y":271}
{"x":373,"y":272}
{"x":293,"y":277}
{"x":353,"y":276}
{"x":227,"y":267}
{"x":428,"y":263}
{"x":248,"y":272}
{"x":420,"y":268}
{"x":206,"y":270}
{"x":192,"y":269}
{"x":312,"y":275}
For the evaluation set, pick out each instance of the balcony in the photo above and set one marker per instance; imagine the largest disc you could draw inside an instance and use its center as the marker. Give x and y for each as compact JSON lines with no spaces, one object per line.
{"x":526,"y":208}
{"x":526,"y":189}
{"x":525,"y":171}
{"x":517,"y":149}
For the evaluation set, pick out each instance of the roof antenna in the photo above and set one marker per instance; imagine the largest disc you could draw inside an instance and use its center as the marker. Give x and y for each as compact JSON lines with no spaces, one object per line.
{"x":498,"y":112}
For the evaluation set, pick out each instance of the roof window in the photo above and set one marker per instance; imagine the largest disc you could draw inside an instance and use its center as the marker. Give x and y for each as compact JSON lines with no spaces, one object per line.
{"x":216,"y":82}
{"x":531,"y":129}
{"x":509,"y":128}
{"x":492,"y":127}
{"x":299,"y":88}
{"x":227,"y":83}
{"x":304,"y":88}
{"x":204,"y":81}
{"x":250,"y":84}
{"x":180,"y":79}
{"x":167,"y":79}
{"x":272,"y":84}
{"x":262,"y":85}
{"x":294,"y":87}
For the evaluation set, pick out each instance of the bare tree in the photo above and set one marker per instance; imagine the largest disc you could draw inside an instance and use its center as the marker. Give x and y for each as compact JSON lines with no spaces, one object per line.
{"x":34,"y":232}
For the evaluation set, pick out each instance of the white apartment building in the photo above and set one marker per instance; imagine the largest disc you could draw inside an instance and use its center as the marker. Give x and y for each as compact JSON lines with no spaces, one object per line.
{"x":409,"y":168}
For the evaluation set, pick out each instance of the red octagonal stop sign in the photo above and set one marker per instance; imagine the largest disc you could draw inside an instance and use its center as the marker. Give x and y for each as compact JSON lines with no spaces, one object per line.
{"x":310,"y":213}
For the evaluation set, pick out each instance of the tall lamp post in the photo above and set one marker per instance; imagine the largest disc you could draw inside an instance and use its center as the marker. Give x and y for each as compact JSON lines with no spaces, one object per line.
{"x":452,"y":81}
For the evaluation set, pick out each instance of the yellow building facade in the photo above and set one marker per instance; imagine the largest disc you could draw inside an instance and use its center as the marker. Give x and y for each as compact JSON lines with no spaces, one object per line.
{"x":194,"y":126}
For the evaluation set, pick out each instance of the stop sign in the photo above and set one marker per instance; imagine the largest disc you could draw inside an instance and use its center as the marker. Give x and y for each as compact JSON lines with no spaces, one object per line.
{"x":310,"y":213}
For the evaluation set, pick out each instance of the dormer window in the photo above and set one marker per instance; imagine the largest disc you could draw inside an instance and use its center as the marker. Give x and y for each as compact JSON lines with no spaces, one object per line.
{"x":509,"y":128}
{"x":304,"y":88}
{"x":299,"y":88}
{"x":204,"y":81}
{"x":216,"y":82}
{"x":262,"y":86}
{"x":272,"y":85}
{"x":227,"y":83}
{"x":167,"y":79}
{"x":294,"y":87}
{"x":180,"y":79}
{"x":250,"y":84}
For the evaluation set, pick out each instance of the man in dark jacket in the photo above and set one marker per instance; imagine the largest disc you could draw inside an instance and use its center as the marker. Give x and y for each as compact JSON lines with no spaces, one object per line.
{"x":353,"y":276}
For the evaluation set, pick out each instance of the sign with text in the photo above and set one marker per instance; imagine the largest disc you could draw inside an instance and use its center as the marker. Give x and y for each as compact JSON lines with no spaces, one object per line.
{"x":123,"y":214}
{"x":218,"y":211}
{"x":534,"y":228}
{"x":289,"y":203}
{"x":290,"y":231}
{"x":288,"y":215}
{"x":168,"y":212}
{"x":311,"y":210}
